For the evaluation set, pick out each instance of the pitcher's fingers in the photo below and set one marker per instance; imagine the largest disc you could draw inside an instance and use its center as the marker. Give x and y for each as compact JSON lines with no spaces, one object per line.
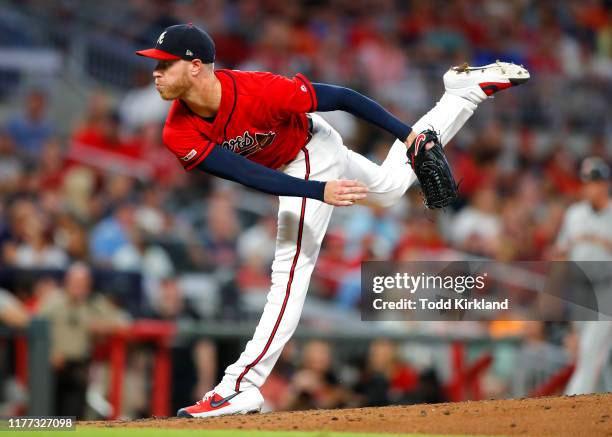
{"x":353,"y":197}
{"x":358,"y":184}
{"x":345,"y":203}
{"x":350,"y":190}
{"x":351,"y":183}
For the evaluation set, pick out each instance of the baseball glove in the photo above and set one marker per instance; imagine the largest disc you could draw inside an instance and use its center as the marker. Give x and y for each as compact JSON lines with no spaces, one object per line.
{"x":432,"y":170}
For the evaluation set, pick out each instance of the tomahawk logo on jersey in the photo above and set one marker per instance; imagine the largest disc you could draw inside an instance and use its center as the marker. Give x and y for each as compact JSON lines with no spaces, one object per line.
{"x":246,"y":145}
{"x":261,"y":116}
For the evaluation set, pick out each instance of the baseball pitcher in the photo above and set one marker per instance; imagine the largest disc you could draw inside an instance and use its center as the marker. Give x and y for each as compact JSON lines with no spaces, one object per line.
{"x":259,"y":129}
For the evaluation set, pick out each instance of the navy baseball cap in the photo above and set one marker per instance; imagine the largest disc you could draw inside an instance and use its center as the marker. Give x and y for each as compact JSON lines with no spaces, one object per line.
{"x":182,"y":41}
{"x":594,"y":169}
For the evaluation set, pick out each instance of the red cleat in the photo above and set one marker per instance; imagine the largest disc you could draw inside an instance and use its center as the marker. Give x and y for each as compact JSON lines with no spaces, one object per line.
{"x":213,"y":404}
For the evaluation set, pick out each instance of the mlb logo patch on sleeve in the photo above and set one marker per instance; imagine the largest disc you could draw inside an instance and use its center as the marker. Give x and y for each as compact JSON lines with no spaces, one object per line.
{"x":190,"y":155}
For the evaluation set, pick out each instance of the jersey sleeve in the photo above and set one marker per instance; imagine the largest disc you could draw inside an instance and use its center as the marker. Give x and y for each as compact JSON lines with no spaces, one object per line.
{"x":187,"y":144}
{"x":286,"y":96}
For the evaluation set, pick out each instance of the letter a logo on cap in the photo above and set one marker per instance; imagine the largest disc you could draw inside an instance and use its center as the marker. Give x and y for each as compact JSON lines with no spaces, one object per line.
{"x":160,"y":40}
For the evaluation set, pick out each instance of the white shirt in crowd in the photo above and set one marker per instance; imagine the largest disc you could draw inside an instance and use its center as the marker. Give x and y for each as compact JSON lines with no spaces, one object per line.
{"x":582,"y":220}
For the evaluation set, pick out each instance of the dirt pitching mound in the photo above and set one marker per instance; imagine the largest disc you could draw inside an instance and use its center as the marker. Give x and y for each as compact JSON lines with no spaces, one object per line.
{"x":574,"y":416}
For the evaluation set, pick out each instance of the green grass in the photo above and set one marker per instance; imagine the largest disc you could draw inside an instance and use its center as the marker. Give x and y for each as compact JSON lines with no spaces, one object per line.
{"x":143,"y":432}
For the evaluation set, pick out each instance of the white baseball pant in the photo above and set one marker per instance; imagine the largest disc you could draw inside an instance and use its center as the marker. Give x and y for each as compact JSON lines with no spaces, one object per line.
{"x":302,"y":223}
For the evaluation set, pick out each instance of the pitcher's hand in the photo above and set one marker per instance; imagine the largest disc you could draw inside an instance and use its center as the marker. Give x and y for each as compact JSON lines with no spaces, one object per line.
{"x":344,"y":192}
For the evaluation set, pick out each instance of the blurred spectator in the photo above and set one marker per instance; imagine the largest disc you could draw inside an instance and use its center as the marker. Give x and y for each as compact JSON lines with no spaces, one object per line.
{"x":429,"y":389}
{"x":44,"y":290}
{"x":139,"y":256}
{"x":142,"y":95}
{"x":37,"y":249}
{"x":71,"y":235}
{"x":31,"y":129}
{"x":276,"y":388}
{"x":561,"y":172}
{"x":332,"y":264}
{"x":515,"y":239}
{"x":421,"y":237}
{"x":220,"y":238}
{"x":11,"y":167}
{"x":96,"y":113}
{"x":378,"y":223}
{"x":105,"y":134}
{"x":315,"y":384}
{"x":12,"y":312}
{"x":385,"y":379}
{"x":256,"y":250}
{"x":76,"y":316}
{"x":29,"y":243}
{"x":165,"y":171}
{"x":51,"y":166}
{"x":476,"y":228}
{"x":112,"y":233}
{"x":194,"y":363}
{"x":479,"y":166}
{"x":100,"y":142}
{"x":150,"y":215}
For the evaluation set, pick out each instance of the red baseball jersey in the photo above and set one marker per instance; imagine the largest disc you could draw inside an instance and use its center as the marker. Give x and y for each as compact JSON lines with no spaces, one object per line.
{"x":262,"y":116}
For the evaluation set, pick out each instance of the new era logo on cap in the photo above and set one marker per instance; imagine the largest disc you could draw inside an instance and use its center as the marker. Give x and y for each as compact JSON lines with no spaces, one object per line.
{"x":183,"y":41}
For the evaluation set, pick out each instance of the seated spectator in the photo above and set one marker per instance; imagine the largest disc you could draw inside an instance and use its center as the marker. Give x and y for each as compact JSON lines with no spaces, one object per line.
{"x":112,"y":233}
{"x":220,"y":241}
{"x":476,"y":227}
{"x":98,"y":110}
{"x":385,"y":379}
{"x":332,"y":265}
{"x":166,"y":171}
{"x":478,"y":166}
{"x":31,"y":129}
{"x":315,"y":384}
{"x":28,"y":243}
{"x":256,"y":248}
{"x":149,"y":259}
{"x":72,"y":235}
{"x":100,"y":143}
{"x":106,"y":135}
{"x":51,"y":166}
{"x":421,"y":236}
{"x":561,"y":172}
{"x":380,"y":224}
{"x":428,"y":390}
{"x":37,"y":249}
{"x":547,"y":229}
{"x":516,"y":236}
{"x":276,"y":388}
{"x":142,"y":95}
{"x":11,"y":167}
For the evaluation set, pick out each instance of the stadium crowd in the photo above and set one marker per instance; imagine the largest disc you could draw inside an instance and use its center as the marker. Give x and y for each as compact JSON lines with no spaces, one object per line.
{"x":99,"y":189}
